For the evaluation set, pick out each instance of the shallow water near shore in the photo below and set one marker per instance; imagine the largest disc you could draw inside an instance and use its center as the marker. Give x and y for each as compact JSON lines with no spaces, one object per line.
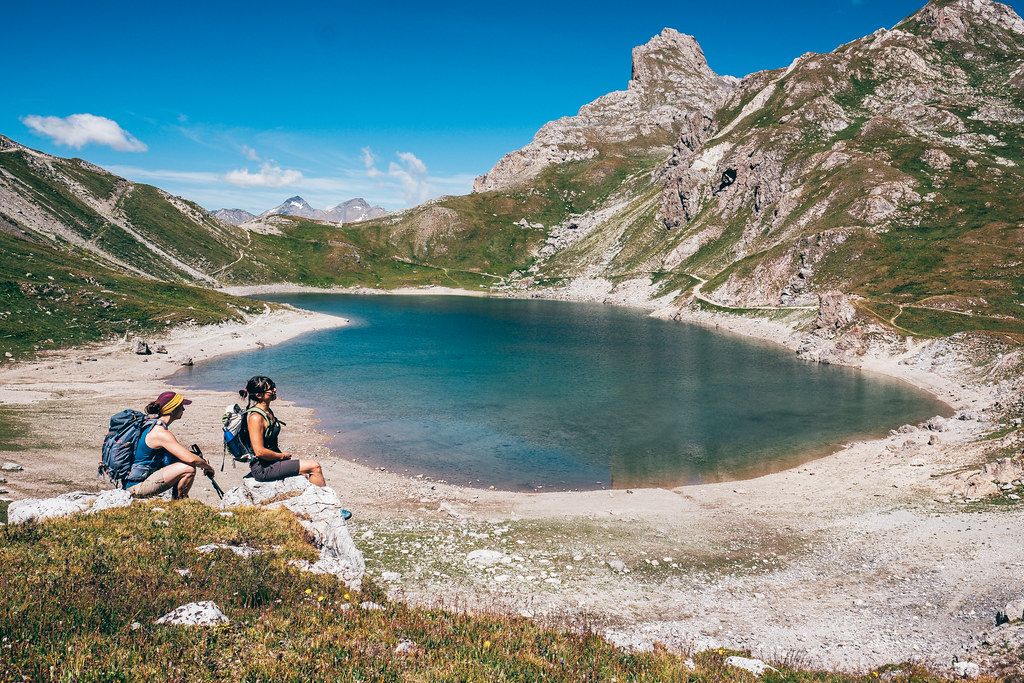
{"x":550,"y":395}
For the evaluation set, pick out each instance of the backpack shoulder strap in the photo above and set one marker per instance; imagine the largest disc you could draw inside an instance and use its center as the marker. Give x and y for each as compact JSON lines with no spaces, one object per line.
{"x":262,"y":412}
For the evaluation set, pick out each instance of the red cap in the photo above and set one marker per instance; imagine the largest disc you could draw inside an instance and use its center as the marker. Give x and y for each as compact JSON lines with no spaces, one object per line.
{"x":165,"y":398}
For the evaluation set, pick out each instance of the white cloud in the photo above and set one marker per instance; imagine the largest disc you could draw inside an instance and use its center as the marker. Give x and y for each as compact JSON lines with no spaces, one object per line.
{"x":78,"y":130}
{"x":411,"y":175}
{"x":146,"y":175}
{"x":370,"y":160}
{"x":414,"y":165}
{"x":250,"y":153}
{"x":270,"y":175}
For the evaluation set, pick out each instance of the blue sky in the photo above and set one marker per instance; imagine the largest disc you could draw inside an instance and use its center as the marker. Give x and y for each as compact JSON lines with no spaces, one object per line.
{"x":242,"y":105}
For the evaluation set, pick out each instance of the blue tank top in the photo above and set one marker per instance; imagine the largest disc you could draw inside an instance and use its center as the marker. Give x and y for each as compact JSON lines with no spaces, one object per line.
{"x":147,"y":460}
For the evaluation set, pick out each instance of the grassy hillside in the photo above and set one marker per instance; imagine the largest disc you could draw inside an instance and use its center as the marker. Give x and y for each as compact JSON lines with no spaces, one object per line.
{"x":81,"y":596}
{"x":50,"y":300}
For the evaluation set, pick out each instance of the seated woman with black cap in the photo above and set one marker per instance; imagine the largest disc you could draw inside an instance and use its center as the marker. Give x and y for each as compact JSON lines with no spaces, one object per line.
{"x":270,"y":463}
{"x":161,"y":462}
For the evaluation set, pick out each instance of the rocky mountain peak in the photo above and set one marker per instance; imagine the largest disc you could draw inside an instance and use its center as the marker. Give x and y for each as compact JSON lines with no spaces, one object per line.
{"x":351,"y":211}
{"x":952,"y":20}
{"x":293,"y":206}
{"x":233,"y":216}
{"x":670,"y":56}
{"x":671,"y":81}
{"x":8,"y":145}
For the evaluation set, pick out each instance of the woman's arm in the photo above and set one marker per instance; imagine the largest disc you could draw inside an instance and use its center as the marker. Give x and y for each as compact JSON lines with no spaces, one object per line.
{"x":164,"y":439}
{"x":256,"y":425}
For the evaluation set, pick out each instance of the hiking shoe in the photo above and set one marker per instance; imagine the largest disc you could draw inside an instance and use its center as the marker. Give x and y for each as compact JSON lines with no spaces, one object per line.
{"x":345,"y":514}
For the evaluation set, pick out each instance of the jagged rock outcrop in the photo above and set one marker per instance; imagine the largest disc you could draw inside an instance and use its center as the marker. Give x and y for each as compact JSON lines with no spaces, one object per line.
{"x":319,"y":510}
{"x":36,"y":509}
{"x":835,"y":311}
{"x":953,"y":21}
{"x":670,"y":80}
{"x":233,"y":216}
{"x":821,"y":144}
{"x":1003,"y":474}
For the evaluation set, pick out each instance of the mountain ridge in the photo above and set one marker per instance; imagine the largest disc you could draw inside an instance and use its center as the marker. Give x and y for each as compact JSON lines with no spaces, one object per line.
{"x":882,"y":178}
{"x":350,"y":211}
{"x":858,"y":156}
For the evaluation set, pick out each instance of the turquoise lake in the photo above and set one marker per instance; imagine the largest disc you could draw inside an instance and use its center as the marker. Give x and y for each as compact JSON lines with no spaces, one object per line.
{"x":541,"y":395}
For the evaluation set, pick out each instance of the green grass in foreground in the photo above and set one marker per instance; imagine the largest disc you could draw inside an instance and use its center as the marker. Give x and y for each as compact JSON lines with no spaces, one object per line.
{"x":80,"y":596}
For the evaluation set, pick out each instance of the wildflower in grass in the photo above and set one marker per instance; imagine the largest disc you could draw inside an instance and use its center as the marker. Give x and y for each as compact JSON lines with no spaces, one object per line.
{"x":309,"y":591}
{"x":487,"y":643}
{"x":347,"y":596}
{"x":320,"y":599}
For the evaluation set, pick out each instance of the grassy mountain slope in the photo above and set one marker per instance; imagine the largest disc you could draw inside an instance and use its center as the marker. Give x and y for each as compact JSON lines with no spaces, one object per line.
{"x":51,"y":299}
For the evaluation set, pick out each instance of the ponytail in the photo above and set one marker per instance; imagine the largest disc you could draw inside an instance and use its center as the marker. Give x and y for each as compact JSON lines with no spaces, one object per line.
{"x":257,"y":384}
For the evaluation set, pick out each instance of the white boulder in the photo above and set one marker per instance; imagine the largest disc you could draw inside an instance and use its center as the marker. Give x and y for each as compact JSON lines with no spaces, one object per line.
{"x":39,"y":509}
{"x":754,"y":666}
{"x":205,"y":613}
{"x":966,"y":669}
{"x":486,"y":558}
{"x":319,"y":510}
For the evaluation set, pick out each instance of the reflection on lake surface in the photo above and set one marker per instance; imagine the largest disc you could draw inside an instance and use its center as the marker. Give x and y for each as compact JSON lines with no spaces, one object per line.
{"x":526,"y":394}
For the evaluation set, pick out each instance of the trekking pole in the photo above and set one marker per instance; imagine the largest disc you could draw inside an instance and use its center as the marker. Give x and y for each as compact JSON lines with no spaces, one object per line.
{"x":216,"y":486}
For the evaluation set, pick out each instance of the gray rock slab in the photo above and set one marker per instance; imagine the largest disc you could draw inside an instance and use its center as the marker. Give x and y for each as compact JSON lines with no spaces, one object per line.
{"x":319,"y":510}
{"x":1014,"y":610}
{"x":754,"y":666}
{"x":966,"y":669}
{"x":262,"y":492}
{"x":236,"y":498}
{"x":114,"y":498}
{"x":205,"y":613}
{"x":240,"y":550}
{"x":40,"y":509}
{"x":487,"y":558}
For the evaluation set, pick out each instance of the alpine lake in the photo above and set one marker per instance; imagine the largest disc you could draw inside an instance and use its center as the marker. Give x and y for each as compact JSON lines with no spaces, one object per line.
{"x":549,"y":395}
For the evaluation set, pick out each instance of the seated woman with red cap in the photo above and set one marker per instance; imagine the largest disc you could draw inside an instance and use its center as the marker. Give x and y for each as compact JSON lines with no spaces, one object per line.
{"x":161,"y":462}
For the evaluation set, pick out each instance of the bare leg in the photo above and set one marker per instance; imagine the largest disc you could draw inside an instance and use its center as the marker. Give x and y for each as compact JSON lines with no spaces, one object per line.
{"x":180,"y":476}
{"x":312,"y":471}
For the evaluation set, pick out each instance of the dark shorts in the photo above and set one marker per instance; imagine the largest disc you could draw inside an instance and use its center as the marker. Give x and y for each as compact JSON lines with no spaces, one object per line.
{"x":272,"y":471}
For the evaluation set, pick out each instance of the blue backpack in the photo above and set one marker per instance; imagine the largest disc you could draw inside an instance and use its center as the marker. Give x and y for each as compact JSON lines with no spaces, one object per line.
{"x":236,"y":434}
{"x":119,"y":444}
